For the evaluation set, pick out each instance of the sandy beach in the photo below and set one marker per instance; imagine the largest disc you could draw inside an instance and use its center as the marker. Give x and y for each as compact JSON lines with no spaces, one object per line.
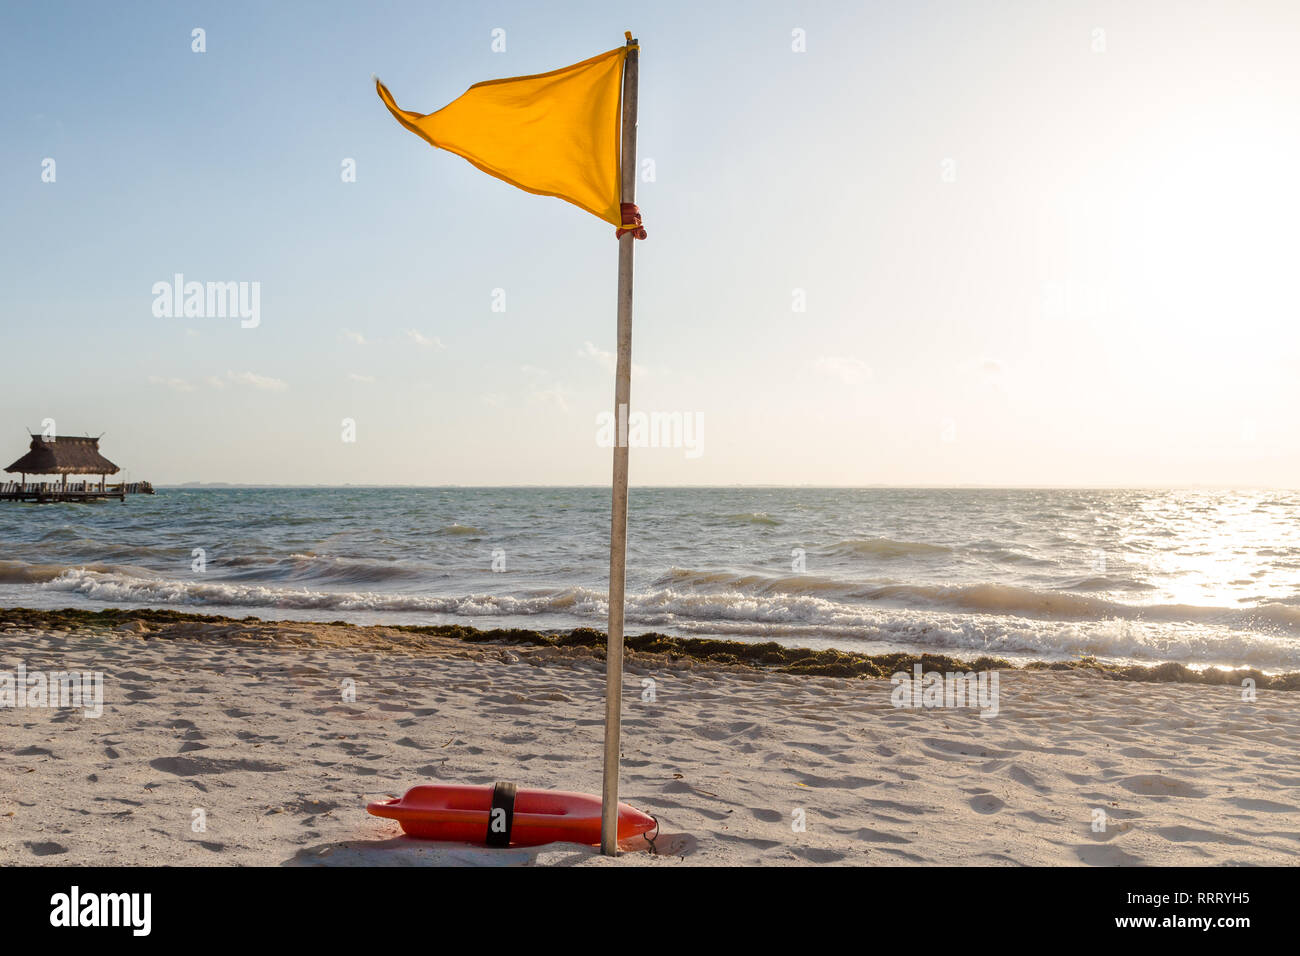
{"x":244,"y":728}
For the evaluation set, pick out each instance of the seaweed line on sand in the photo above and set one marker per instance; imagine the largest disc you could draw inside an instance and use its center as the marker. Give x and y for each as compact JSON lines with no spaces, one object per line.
{"x":764,"y":656}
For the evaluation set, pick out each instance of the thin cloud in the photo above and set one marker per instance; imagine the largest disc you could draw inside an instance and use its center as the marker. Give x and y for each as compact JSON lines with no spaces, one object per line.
{"x":425,"y":341}
{"x":178,"y":384}
{"x":253,"y":380}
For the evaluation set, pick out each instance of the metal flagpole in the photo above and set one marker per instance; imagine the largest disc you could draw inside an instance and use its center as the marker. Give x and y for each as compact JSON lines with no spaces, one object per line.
{"x":618,"y":510}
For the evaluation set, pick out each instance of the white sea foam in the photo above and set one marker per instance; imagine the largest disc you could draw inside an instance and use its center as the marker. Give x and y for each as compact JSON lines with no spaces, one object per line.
{"x":1165,"y":634}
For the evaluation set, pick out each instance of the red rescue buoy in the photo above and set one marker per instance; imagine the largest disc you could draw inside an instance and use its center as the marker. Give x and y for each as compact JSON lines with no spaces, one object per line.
{"x":522,"y":818}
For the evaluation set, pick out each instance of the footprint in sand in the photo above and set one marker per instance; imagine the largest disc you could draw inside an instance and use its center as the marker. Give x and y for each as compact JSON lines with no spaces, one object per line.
{"x":907,"y":809}
{"x":1142,"y":753}
{"x":867,"y":835}
{"x":1181,"y":834}
{"x":192,"y":766}
{"x":986,"y":803}
{"x":835,"y":783}
{"x":954,"y":749}
{"x":1154,"y":785}
{"x":814,"y":854}
{"x":1026,"y":779}
{"x":46,"y":849}
{"x":724,"y":732}
{"x":1105,"y":855}
{"x":1262,"y":806}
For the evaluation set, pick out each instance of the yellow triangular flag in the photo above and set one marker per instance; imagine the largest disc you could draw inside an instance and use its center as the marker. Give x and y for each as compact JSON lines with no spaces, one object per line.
{"x":554,"y":134}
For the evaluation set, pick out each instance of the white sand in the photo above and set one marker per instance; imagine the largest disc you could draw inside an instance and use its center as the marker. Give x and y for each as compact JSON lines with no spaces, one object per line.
{"x":247,"y":723}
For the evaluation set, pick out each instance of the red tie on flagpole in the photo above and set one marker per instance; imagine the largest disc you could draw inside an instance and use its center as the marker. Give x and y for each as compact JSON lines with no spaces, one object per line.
{"x":631,"y":221}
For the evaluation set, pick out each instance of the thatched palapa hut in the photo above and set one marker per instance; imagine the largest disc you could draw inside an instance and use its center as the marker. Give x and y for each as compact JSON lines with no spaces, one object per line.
{"x":66,"y":456}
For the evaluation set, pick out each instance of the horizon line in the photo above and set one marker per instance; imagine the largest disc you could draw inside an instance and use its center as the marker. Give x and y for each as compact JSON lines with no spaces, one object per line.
{"x":193,"y":485}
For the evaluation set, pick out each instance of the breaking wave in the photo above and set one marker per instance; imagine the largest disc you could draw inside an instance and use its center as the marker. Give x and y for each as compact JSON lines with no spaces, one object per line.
{"x":1013,"y":620}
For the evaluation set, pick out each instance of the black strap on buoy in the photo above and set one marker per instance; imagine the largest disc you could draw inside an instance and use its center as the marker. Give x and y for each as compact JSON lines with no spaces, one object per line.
{"x":503,"y":799}
{"x":654,"y":850}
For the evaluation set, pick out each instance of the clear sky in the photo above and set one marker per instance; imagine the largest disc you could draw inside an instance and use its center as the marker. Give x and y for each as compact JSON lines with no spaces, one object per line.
{"x":1038,"y":243}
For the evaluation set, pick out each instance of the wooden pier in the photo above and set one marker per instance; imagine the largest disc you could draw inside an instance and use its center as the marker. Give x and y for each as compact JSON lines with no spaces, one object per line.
{"x":51,"y":491}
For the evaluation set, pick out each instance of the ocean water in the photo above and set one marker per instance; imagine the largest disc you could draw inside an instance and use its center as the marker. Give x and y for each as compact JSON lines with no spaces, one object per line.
{"x":1200,"y":577}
